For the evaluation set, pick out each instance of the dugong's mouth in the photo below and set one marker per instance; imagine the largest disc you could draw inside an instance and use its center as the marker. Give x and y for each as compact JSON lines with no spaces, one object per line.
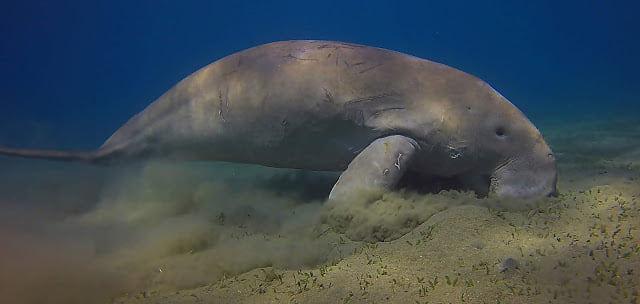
{"x":525,"y":177}
{"x":521,"y":190}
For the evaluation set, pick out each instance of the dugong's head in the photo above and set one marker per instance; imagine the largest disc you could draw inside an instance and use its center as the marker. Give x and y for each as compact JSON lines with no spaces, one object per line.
{"x":467,"y":129}
{"x":518,"y":161}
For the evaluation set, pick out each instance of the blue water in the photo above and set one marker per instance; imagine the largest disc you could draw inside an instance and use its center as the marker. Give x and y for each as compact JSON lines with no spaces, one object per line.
{"x":71,"y":72}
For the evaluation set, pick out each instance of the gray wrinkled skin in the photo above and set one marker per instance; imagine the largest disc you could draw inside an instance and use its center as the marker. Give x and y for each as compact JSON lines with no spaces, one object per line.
{"x":323,"y":105}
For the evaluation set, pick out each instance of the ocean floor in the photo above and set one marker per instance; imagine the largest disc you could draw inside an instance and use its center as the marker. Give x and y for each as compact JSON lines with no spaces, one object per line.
{"x":227,"y":233}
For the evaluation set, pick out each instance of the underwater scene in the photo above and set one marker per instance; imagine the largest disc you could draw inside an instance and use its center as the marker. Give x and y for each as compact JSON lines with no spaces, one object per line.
{"x":89,"y":216}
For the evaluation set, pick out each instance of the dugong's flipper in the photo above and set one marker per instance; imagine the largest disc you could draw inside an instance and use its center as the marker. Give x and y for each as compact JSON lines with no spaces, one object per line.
{"x":376,"y":169}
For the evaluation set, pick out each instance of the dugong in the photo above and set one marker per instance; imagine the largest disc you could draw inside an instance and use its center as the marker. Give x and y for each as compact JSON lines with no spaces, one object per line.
{"x":373,"y":113}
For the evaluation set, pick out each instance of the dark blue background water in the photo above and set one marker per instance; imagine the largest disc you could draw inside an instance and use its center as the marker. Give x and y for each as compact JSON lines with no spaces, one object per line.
{"x":72,"y":71}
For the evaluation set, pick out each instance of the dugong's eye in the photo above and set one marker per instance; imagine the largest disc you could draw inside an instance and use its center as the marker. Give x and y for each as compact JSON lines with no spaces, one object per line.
{"x":500,"y":132}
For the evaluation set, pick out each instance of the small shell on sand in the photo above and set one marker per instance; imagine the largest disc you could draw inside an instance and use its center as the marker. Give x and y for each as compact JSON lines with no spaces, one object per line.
{"x":508,"y":264}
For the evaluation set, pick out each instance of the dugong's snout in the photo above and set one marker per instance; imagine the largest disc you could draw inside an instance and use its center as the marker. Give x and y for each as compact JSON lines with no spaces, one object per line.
{"x":532,"y":174}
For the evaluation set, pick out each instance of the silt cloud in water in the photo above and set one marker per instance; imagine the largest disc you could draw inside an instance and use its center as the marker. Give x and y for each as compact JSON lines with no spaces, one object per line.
{"x":72,"y":233}
{"x":157,"y":226}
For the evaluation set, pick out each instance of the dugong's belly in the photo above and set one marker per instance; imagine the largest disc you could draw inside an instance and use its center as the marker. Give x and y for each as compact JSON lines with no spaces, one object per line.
{"x":325,"y":145}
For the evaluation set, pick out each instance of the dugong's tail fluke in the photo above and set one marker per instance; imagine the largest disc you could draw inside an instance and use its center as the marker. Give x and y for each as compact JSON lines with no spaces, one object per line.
{"x":50,"y":154}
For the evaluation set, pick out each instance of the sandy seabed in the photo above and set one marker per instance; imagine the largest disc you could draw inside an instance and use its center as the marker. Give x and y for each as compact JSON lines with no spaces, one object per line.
{"x":221,"y":233}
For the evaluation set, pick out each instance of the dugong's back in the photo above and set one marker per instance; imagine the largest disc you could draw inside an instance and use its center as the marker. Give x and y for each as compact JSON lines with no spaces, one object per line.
{"x":280,"y":104}
{"x":276,"y":104}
